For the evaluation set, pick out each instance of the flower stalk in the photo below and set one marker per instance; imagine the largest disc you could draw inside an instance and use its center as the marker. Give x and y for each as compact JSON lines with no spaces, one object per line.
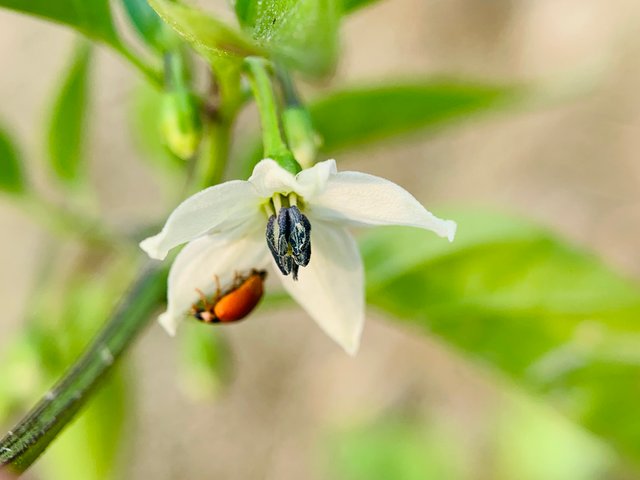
{"x":262,"y":89}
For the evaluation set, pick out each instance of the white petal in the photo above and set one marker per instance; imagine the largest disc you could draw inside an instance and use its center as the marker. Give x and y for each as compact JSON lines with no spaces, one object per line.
{"x":196,"y":265}
{"x":354,"y":198}
{"x":268,"y":178}
{"x":331,"y":287}
{"x":313,"y":181}
{"x":216,"y":208}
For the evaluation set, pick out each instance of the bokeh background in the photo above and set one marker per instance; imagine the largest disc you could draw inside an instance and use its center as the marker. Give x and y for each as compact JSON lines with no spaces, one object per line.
{"x":408,"y":406}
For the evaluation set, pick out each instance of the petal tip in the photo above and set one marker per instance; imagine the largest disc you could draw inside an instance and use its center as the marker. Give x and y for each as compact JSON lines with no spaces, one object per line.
{"x":451,"y":228}
{"x":169,"y":323}
{"x":152,"y":248}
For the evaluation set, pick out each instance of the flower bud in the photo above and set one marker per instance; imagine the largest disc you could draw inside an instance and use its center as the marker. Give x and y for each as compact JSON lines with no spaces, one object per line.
{"x":180,"y":123}
{"x":302,"y":139}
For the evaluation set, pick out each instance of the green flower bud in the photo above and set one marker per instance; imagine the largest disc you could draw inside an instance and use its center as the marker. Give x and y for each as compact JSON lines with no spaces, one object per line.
{"x":180,"y":123}
{"x":302,"y":139}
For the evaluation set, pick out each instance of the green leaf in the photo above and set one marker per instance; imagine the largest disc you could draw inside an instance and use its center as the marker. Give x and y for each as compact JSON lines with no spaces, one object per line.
{"x":211,"y":37}
{"x":67,"y":127}
{"x":351,"y":5}
{"x":11,"y":174}
{"x":364,"y":115}
{"x":303,"y":34}
{"x":91,"y":17}
{"x":146,"y":22}
{"x":516,"y":297}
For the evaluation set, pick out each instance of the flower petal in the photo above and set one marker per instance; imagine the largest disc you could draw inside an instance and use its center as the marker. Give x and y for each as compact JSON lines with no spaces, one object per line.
{"x":268,"y":178}
{"x":331,"y":287}
{"x":216,"y":208}
{"x":354,"y":198}
{"x":196,"y":265}
{"x":313,"y":181}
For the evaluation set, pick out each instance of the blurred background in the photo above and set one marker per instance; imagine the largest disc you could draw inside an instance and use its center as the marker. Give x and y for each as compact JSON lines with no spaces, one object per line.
{"x":292,"y":405}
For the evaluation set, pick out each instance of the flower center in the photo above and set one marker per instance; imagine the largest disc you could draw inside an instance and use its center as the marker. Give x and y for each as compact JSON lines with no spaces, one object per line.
{"x":288,"y":234}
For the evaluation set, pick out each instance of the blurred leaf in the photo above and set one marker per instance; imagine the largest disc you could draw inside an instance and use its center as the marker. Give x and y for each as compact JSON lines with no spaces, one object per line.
{"x":66,"y":130}
{"x":394,"y":449}
{"x":352,"y":117}
{"x":91,"y":17}
{"x":205,"y":361}
{"x":146,"y":22}
{"x":11,"y":174}
{"x":211,"y":37}
{"x":303,"y":34}
{"x":145,"y":117}
{"x":514,"y":296}
{"x":351,"y":5}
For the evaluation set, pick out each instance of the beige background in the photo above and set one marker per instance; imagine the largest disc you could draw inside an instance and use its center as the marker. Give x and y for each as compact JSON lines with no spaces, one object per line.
{"x":571,"y":165}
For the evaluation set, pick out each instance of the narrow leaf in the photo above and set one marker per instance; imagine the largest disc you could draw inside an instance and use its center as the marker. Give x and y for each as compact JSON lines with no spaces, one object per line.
{"x":364,"y":115}
{"x":67,"y":122}
{"x":512,"y":295}
{"x":11,"y":174}
{"x":91,"y":17}
{"x":146,"y":22}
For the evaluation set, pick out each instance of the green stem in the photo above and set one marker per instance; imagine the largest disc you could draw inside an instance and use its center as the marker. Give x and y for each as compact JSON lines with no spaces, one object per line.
{"x":22,"y":445}
{"x":152,"y":74}
{"x":274,"y":145}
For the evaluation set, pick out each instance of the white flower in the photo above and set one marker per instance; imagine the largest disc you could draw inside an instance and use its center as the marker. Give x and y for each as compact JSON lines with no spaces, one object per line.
{"x":305,"y":217}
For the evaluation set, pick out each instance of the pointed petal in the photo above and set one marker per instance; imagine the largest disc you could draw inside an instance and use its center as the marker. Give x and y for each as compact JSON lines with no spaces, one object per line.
{"x":354,"y":198}
{"x":268,"y":178}
{"x":331,"y":287}
{"x":313,"y":181}
{"x":196,"y":265}
{"x":220,"y":207}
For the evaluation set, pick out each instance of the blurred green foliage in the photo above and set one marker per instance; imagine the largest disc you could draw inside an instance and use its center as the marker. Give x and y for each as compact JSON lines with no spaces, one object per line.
{"x":67,"y":127}
{"x":91,"y":17}
{"x":512,"y":295}
{"x":12,"y":178}
{"x":358,"y":116}
{"x":147,"y":23}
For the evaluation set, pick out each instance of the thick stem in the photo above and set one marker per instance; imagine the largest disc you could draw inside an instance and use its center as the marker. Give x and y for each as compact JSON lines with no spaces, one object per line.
{"x":274,"y":145}
{"x":22,"y":445}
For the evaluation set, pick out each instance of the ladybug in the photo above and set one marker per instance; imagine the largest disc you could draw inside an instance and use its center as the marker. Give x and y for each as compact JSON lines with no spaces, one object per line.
{"x":233,"y":304}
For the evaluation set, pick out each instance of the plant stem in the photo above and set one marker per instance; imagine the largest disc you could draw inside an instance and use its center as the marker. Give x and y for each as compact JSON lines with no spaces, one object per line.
{"x":274,"y":145}
{"x":22,"y":445}
{"x":152,"y":74}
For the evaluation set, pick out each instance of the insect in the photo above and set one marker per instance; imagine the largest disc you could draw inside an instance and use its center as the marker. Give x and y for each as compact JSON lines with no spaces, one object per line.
{"x":233,"y":304}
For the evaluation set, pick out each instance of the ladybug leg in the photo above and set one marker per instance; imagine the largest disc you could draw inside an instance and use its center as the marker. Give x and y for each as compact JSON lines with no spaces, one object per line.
{"x":216,"y":280}
{"x":237,"y":279}
{"x":203,"y":298}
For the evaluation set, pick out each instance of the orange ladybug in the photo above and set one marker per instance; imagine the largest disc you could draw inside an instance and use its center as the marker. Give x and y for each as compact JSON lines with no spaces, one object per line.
{"x":234,"y":303}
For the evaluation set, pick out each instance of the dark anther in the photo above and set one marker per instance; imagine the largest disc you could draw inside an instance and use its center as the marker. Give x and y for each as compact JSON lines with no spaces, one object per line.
{"x":289,"y":240}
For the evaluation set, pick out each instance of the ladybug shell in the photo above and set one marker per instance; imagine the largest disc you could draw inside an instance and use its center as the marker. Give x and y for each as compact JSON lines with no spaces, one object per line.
{"x":239,"y":303}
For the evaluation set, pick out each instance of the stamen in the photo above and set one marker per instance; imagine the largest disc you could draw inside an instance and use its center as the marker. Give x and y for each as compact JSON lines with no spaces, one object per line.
{"x":269,"y":209}
{"x":289,"y":238}
{"x":293,"y":199}
{"x":277,"y":202}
